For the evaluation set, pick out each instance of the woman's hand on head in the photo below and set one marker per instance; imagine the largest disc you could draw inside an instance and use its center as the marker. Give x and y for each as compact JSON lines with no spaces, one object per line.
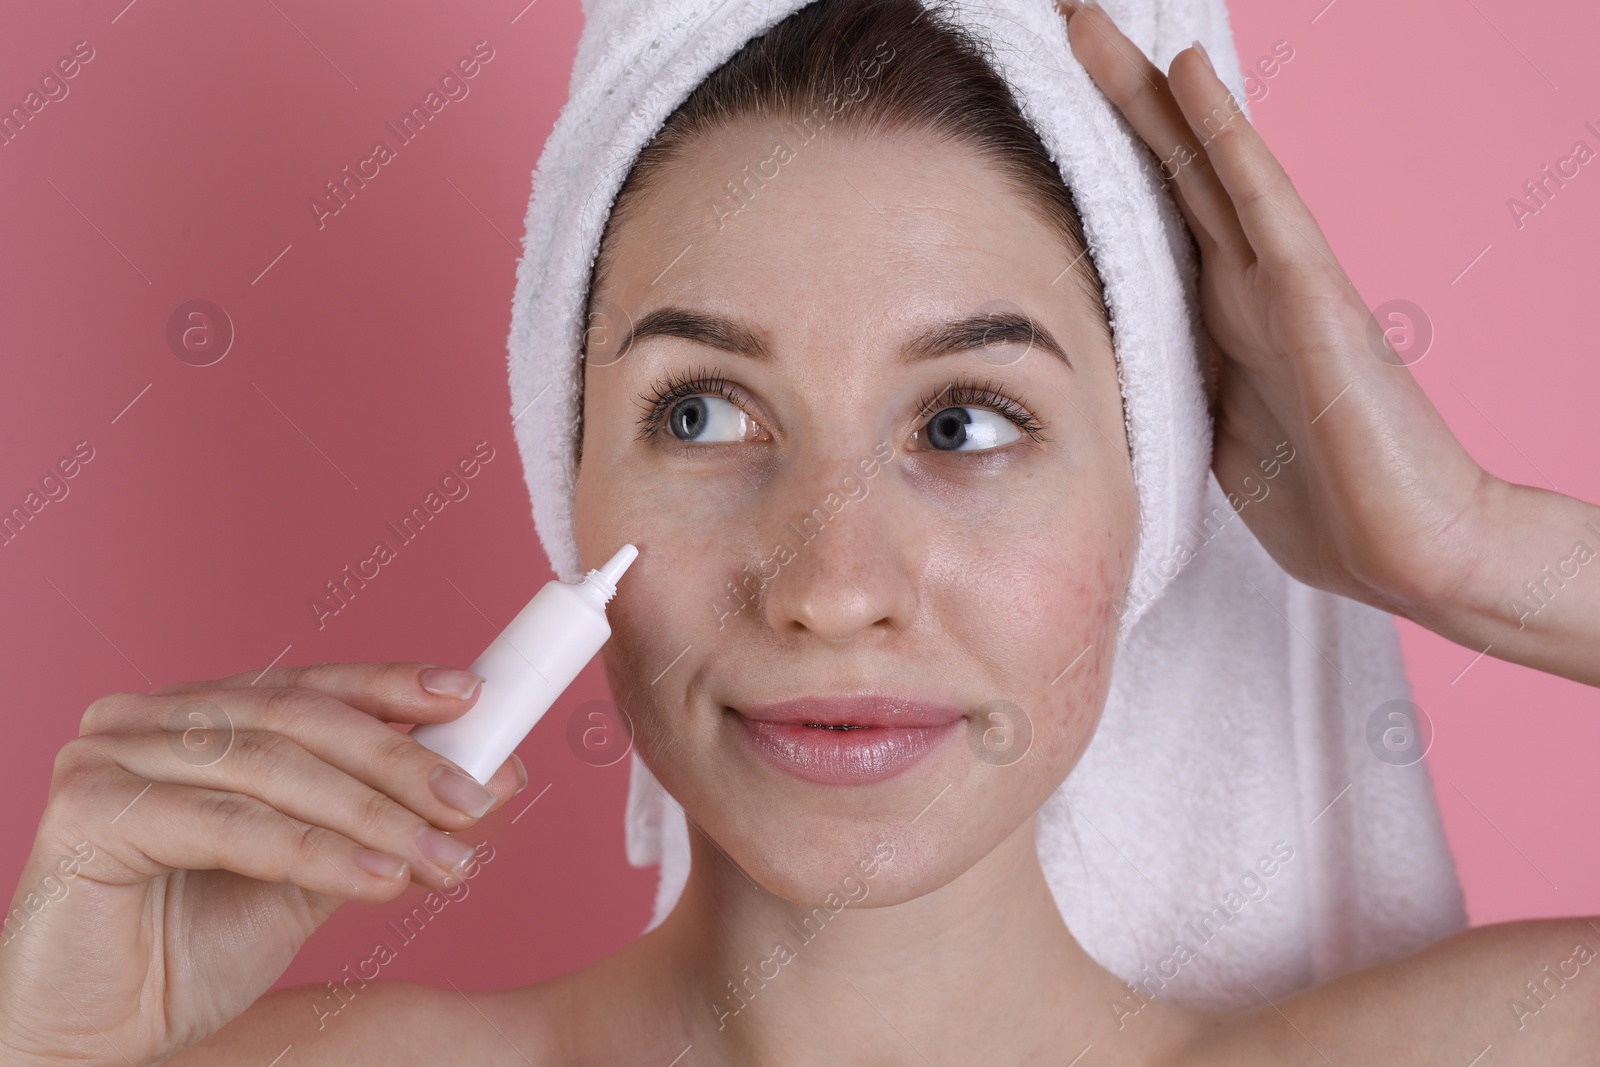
{"x":1326,"y":445}
{"x":195,"y":836}
{"x":1378,"y":499}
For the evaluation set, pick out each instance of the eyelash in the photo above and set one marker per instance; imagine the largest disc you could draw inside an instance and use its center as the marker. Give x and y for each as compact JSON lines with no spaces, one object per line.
{"x":964,"y":392}
{"x":666,"y":393}
{"x":968,"y":392}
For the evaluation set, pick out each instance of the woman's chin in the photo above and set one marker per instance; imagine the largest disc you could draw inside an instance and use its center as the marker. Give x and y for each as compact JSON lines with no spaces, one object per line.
{"x":868,"y":867}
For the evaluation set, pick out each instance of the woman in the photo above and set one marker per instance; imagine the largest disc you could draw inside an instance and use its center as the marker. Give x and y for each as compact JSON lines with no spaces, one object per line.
{"x":825,"y":745}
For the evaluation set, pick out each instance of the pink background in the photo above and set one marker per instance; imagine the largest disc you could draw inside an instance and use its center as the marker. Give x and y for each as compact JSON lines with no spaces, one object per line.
{"x":369,"y":356}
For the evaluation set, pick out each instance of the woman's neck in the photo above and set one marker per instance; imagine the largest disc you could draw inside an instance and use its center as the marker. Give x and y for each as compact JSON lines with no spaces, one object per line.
{"x":980,"y":970}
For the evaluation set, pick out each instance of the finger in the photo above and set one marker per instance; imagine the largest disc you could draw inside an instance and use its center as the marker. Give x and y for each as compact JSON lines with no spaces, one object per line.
{"x":1141,"y":92}
{"x":146,"y":829}
{"x":1277,"y":224}
{"x":203,"y":722}
{"x":275,"y":770}
{"x":393,"y":692}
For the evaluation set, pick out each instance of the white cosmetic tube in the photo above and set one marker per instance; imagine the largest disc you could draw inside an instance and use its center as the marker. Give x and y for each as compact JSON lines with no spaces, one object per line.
{"x":527,"y":667}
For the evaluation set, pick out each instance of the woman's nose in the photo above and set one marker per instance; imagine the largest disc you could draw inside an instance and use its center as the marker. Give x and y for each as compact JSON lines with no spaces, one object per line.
{"x":855,"y":555}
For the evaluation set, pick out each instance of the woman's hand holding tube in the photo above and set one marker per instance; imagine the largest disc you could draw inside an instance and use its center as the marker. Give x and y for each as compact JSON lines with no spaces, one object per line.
{"x":194,"y":837}
{"x":1380,"y":503}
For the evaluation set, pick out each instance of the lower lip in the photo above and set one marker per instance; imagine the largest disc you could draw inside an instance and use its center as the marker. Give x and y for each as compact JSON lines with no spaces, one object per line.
{"x":844,"y":757}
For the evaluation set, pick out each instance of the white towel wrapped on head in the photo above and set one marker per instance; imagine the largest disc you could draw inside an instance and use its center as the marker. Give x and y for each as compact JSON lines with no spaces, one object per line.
{"x":1230,"y":801}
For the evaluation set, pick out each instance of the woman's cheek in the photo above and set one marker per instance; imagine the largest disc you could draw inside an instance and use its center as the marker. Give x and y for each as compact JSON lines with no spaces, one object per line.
{"x":1058,"y":648}
{"x":1080,"y":683}
{"x":651,"y":623}
{"x":657,"y":612}
{"x":686,"y":531}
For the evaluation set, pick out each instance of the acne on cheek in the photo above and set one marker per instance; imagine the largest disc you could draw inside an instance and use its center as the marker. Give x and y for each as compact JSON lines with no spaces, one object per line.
{"x":1081,"y":620}
{"x":1104,"y":632}
{"x":1084,"y":703}
{"x":1075,"y":704}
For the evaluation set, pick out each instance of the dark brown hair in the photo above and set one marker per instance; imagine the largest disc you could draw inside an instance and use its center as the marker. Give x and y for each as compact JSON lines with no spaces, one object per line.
{"x":937,"y":79}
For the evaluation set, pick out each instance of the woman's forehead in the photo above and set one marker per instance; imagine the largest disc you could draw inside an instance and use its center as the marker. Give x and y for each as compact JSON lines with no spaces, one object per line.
{"x":844,"y":227}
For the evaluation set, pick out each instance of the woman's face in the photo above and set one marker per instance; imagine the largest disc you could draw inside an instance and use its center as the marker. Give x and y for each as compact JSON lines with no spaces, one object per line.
{"x":839,"y":504}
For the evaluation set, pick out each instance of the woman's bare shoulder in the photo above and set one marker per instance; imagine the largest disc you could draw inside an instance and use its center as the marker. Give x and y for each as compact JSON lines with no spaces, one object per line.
{"x":385,"y":1022}
{"x":572,"y":1019}
{"x":1512,"y":993}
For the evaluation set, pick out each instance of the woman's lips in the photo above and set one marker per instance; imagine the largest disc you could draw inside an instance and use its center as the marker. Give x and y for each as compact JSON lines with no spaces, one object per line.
{"x":847,"y":742}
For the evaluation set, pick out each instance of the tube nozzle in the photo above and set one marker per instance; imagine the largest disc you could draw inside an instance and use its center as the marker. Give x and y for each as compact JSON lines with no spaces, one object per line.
{"x":607,"y":574}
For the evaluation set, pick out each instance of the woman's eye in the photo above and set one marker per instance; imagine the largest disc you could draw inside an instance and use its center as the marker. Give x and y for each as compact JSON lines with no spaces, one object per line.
{"x":710,"y":419}
{"x":968,"y":429}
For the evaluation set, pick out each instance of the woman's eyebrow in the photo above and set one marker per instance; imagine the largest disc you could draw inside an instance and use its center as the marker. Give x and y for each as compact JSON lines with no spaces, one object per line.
{"x":979,"y":331}
{"x":698,"y":326}
{"x":945,"y":338}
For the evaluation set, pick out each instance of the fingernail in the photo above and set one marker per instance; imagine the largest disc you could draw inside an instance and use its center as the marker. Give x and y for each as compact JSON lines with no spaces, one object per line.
{"x":449,"y":682}
{"x":1096,"y":6}
{"x":380,"y":863}
{"x":522,"y":771}
{"x":1198,"y":47}
{"x":443,"y":849}
{"x":459,"y":791}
